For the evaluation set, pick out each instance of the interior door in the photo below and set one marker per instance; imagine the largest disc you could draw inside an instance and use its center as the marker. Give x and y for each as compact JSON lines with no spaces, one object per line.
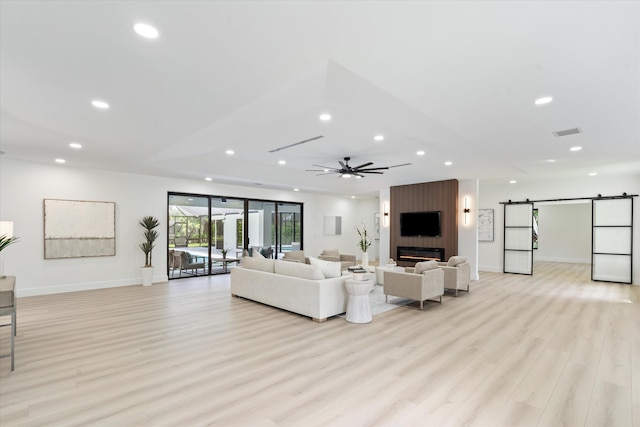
{"x":518,"y":238}
{"x":612,"y":240}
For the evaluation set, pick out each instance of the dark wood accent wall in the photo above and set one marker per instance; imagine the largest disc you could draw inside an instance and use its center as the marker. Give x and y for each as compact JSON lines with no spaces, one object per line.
{"x":429,"y":196}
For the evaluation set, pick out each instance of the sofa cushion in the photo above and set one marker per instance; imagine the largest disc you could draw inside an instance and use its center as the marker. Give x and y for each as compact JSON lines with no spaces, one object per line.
{"x":329,"y":269}
{"x":425,"y":266}
{"x":260,"y":264}
{"x":331,"y":253}
{"x":297,"y":256}
{"x":296,"y":269}
{"x":455,"y":260}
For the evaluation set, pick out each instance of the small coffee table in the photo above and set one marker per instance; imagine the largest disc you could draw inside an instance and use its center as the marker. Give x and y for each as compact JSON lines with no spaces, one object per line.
{"x":358,"y":307}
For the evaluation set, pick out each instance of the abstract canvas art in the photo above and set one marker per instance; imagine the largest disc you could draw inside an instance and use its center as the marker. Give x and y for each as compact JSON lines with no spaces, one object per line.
{"x":75,"y":229}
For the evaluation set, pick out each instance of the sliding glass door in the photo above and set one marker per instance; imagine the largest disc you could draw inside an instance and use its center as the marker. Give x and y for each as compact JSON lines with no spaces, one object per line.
{"x":208,"y":234}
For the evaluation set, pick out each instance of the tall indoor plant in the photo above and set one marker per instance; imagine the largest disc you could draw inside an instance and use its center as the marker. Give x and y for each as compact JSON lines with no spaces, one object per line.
{"x":149,"y":223}
{"x":363,"y":244}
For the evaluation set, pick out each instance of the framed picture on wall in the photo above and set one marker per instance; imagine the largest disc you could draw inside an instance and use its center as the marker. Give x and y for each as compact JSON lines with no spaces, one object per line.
{"x":485,"y":225}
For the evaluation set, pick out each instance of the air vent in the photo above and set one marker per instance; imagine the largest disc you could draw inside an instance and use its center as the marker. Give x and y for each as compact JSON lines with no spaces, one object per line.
{"x":296,"y":143}
{"x":567,"y":132}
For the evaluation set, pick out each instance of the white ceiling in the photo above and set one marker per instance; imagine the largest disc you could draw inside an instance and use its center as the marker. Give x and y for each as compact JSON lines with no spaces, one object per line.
{"x":455,"y":79}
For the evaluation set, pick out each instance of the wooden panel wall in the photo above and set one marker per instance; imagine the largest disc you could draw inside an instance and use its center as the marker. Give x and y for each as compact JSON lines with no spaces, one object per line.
{"x":429,"y":196}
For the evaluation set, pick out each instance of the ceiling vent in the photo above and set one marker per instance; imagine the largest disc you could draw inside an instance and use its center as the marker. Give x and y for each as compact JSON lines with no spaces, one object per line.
{"x":304,"y":141}
{"x":567,"y":132}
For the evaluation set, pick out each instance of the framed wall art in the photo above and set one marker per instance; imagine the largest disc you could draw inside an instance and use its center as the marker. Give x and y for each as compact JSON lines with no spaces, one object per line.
{"x":485,"y":225}
{"x":77,"y":228}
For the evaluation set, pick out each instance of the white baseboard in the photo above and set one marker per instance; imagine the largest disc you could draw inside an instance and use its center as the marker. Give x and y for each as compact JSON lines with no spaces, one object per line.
{"x":75,"y":287}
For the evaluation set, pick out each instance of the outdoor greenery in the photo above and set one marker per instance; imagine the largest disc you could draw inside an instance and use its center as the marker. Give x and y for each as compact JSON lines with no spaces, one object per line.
{"x":149,"y":223}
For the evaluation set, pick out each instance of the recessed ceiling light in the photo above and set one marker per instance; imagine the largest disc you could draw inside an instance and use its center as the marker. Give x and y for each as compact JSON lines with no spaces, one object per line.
{"x":191,"y":200}
{"x":551,"y":160}
{"x":353,"y":197}
{"x":593,"y":173}
{"x":448,"y":163}
{"x":420,"y":153}
{"x":379,"y":137}
{"x":230,"y":152}
{"x":100,"y":104}
{"x":325,"y":117}
{"x":146,"y":31}
{"x":282,"y":162}
{"x":575,"y":148}
{"x":346,"y":175}
{"x":326,"y":170}
{"x":75,"y":145}
{"x":513,"y":181}
{"x":208,"y":178}
{"x":543,"y":100}
{"x":296,"y":189}
{"x":358,"y":177}
{"x":61,"y":161}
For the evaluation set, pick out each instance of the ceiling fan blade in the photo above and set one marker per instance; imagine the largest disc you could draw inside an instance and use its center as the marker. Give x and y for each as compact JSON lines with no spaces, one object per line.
{"x":326,"y":173}
{"x":374,"y":169}
{"x":364,"y":165}
{"x":366,"y":171}
{"x":341,"y":164}
{"x":316,"y":170}
{"x":397,"y":166}
{"x":324,"y":167}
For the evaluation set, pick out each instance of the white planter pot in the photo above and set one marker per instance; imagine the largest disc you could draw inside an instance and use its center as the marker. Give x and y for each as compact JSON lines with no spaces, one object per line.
{"x":147,"y":275}
{"x":365,"y":260}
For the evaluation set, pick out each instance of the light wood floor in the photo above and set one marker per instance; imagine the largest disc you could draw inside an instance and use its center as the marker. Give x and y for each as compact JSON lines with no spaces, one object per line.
{"x":552,"y":349}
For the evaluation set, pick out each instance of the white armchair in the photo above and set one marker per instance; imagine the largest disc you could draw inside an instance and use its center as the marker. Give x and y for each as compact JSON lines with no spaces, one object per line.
{"x":335,"y":256}
{"x":457,"y":274}
{"x":426,"y":285}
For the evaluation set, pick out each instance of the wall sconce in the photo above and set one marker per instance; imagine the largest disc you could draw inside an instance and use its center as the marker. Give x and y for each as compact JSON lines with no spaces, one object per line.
{"x":466,"y":210}
{"x":385,"y":215}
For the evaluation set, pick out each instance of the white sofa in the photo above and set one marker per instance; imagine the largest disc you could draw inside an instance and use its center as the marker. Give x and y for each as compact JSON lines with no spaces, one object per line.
{"x":300,"y":288}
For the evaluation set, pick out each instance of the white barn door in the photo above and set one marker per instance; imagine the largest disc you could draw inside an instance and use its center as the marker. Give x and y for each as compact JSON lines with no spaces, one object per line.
{"x":612,"y":240}
{"x":518,"y":238}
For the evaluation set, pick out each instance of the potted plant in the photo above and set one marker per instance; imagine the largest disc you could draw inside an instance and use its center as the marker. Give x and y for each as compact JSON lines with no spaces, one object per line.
{"x":149,"y":223}
{"x":363,"y":244}
{"x":5,"y":240}
{"x":224,"y":253}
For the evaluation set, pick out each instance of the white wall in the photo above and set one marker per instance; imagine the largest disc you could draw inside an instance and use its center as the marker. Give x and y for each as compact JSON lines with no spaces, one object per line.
{"x":564,"y":233}
{"x":24,"y":185}
{"x":490,"y":253}
{"x":468,"y":232}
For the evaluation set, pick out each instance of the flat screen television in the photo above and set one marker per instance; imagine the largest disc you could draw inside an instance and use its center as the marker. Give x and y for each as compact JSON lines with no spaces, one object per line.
{"x":421,"y":224}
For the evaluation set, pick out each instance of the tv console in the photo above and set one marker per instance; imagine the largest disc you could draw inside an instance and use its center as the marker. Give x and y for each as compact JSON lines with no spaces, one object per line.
{"x":411,"y":255}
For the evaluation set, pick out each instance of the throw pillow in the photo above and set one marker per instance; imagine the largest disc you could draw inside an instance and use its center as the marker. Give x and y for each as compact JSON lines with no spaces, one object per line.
{"x":329,"y":269}
{"x":425,"y":266}
{"x":258,"y":254}
{"x":455,"y":260}
{"x":296,"y":269}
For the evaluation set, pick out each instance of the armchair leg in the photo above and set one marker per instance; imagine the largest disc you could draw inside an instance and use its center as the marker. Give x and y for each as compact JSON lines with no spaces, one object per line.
{"x":421,"y":305}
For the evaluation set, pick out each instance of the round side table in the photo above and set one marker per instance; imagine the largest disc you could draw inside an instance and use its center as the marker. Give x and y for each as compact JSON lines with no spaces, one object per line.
{"x":358,"y":308}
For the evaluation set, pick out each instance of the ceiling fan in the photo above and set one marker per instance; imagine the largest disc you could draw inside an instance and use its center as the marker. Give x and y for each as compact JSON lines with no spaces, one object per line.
{"x":347,"y":171}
